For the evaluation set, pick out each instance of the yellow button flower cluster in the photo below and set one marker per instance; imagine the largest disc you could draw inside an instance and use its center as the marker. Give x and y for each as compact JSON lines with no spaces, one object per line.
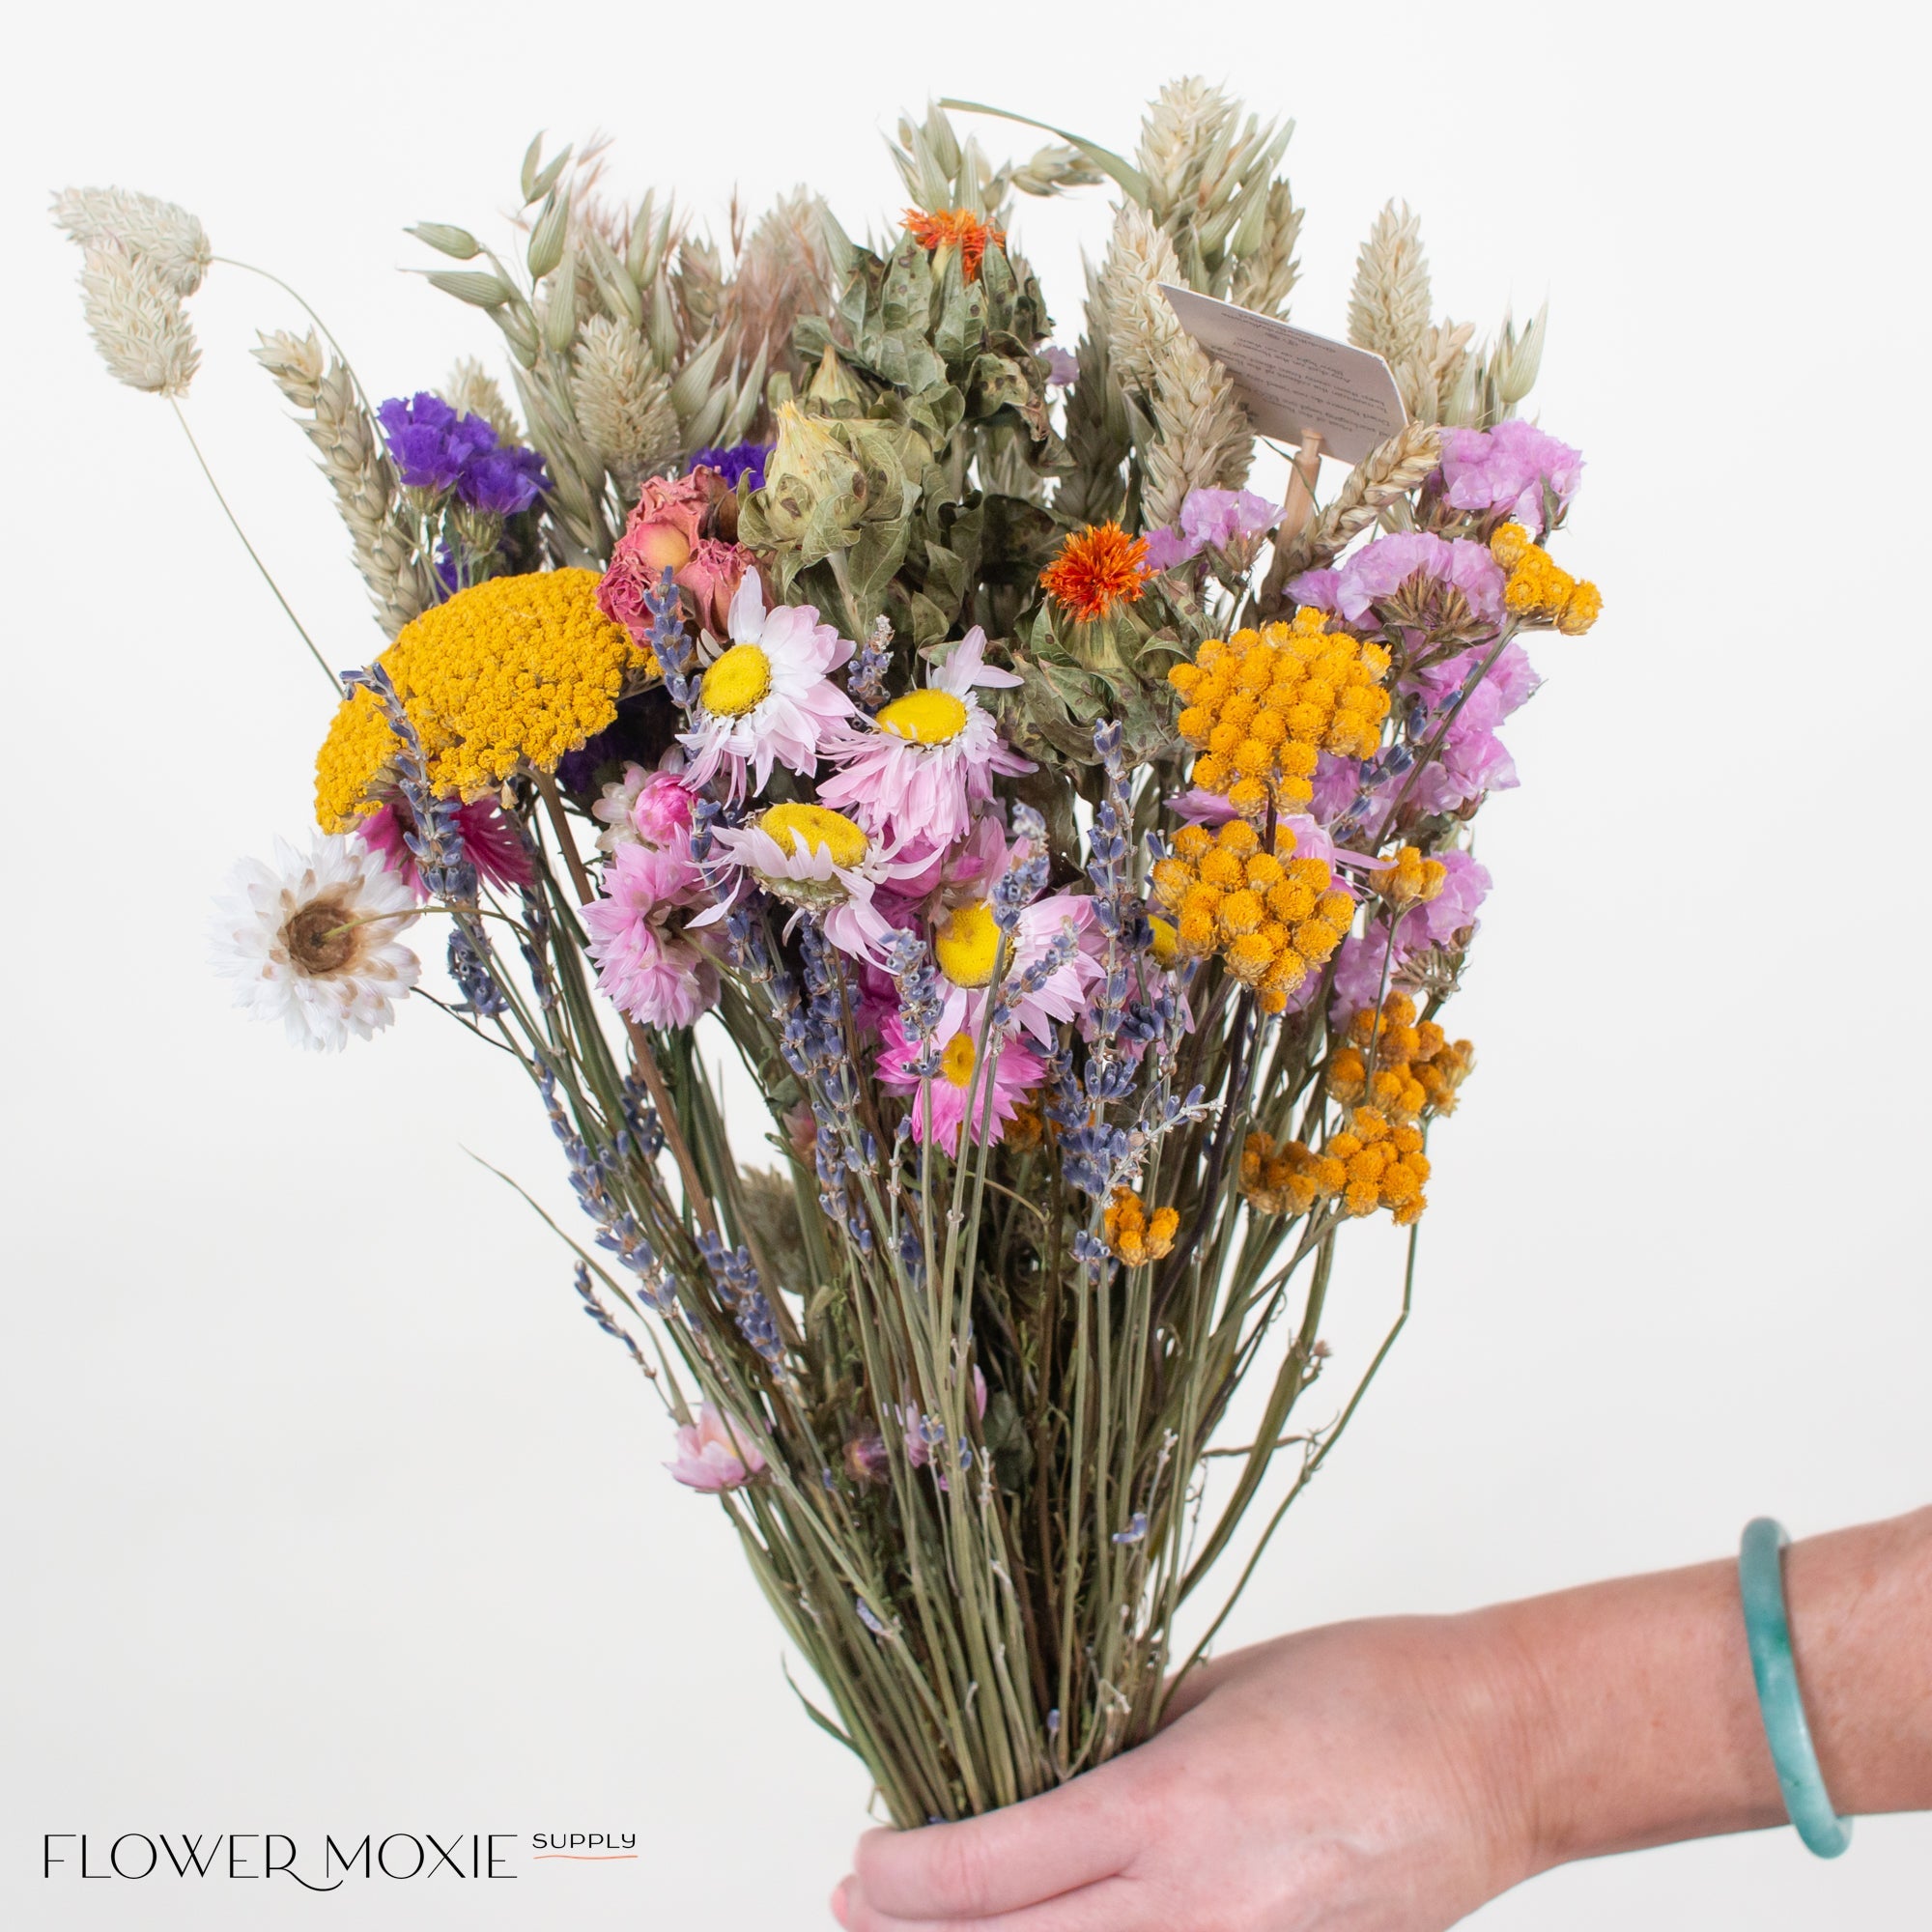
{"x":1268,"y":914}
{"x":1418,"y":1068}
{"x":1536,"y":586}
{"x":1133,"y":1234}
{"x":509,"y":674}
{"x":1384,"y":1163}
{"x":1262,"y":705}
{"x":1371,"y":1163}
{"x":1284,"y":1177}
{"x":1411,"y":879}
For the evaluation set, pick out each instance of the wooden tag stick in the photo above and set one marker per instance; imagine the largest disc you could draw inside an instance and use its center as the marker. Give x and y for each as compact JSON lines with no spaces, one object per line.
{"x":1298,"y":505}
{"x":1297,"y":512}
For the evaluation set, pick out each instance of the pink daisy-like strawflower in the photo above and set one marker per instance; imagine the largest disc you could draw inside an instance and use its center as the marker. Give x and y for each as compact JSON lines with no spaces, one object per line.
{"x":490,"y":843}
{"x":959,"y":1091}
{"x":647,"y":965}
{"x":928,"y":757}
{"x":715,"y":1454}
{"x":764,"y":699}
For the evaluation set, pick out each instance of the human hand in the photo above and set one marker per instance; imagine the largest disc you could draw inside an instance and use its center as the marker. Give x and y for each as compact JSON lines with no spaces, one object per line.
{"x":1363,"y":1775}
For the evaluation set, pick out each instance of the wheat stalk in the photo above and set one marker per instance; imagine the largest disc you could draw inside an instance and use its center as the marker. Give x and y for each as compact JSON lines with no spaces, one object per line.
{"x":1389,"y":309}
{"x":367,"y":492}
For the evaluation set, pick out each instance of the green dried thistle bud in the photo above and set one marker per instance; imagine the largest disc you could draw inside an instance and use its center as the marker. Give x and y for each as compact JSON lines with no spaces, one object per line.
{"x":832,"y":384}
{"x":809,"y":467}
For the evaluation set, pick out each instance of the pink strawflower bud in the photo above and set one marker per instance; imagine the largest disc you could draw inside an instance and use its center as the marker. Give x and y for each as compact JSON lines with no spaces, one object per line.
{"x":714,"y":1455}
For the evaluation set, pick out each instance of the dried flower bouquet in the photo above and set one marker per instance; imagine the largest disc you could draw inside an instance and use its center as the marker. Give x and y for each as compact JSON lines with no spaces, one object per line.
{"x":1074,"y":844}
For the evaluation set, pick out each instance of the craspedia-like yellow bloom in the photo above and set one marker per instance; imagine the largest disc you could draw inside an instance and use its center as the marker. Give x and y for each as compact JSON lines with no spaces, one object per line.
{"x":1416,"y":1067}
{"x":509,"y":676}
{"x":1286,"y":1178}
{"x":1385,"y":1165}
{"x":1260,"y":706}
{"x":1271,"y":916}
{"x":1537,"y":590}
{"x":1133,"y":1234}
{"x":1410,"y":879}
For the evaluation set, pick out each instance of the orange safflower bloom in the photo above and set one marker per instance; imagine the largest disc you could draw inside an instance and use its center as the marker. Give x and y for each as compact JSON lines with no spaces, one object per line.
{"x":1097,"y":568}
{"x":957,"y":227}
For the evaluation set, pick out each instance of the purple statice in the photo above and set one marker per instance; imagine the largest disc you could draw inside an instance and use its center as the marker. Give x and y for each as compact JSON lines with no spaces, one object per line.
{"x":430,"y":444}
{"x":1063,"y":366}
{"x":503,"y":481}
{"x":437,"y":450}
{"x":733,"y":461}
{"x":1515,"y":468}
{"x":1378,"y":569}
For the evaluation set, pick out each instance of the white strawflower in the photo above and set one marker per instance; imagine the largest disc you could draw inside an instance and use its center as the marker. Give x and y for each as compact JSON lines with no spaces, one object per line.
{"x":311,"y":940}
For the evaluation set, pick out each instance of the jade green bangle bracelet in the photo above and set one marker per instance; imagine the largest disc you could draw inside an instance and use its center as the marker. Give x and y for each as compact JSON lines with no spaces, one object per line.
{"x":1767,"y":1632}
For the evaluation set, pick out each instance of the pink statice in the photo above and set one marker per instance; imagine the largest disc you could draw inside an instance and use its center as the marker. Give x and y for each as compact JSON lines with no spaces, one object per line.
{"x":1358,"y":971}
{"x":1226,"y":518}
{"x":958,"y":1090}
{"x":1465,"y":884}
{"x":1166,"y":548}
{"x":647,"y":963}
{"x":1515,"y":468}
{"x":490,"y":843}
{"x":1196,"y":806}
{"x":928,"y":758}
{"x":714,"y":1454}
{"x":1231,"y":521}
{"x":1472,"y":759}
{"x":765,"y":697}
{"x":1337,"y":783}
{"x":1378,"y":569}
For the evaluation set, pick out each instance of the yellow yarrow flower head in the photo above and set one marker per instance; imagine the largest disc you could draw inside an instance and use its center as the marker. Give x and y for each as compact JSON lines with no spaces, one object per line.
{"x":1261,"y":706}
{"x":506,"y":676}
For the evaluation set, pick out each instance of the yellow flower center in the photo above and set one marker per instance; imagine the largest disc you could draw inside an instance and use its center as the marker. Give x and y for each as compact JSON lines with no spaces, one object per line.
{"x":967,"y":945}
{"x":925,"y":716}
{"x":810,"y":825}
{"x":737,"y":681}
{"x":959,"y":1059}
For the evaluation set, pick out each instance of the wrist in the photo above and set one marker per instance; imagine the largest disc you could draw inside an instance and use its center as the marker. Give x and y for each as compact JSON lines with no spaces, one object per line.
{"x":1634,"y":1716}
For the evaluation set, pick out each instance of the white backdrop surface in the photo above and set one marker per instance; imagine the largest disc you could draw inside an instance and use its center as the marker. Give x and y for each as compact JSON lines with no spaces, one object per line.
{"x":325,"y":1510}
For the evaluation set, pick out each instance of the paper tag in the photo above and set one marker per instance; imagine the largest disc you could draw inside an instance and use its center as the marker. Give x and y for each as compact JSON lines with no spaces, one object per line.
{"x":1294,"y":382}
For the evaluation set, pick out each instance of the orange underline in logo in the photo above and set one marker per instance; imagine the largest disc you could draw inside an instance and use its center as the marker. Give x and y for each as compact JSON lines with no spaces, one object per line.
{"x":584,"y":1856}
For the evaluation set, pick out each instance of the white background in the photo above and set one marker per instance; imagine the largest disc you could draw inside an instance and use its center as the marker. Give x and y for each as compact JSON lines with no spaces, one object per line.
{"x":325,"y":1510}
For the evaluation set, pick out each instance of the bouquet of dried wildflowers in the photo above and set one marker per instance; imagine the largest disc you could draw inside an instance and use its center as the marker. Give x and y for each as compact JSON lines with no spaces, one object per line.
{"x":1074,"y":844}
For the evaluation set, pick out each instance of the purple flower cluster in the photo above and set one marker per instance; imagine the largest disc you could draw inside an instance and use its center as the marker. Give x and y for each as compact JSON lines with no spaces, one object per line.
{"x":437,"y":450}
{"x":736,"y":460}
